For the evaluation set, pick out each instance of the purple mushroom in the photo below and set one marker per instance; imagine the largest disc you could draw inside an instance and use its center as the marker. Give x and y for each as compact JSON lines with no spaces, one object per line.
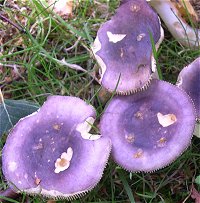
{"x":149,"y":129}
{"x":123,"y":47}
{"x":52,"y":153}
{"x":189,"y":80}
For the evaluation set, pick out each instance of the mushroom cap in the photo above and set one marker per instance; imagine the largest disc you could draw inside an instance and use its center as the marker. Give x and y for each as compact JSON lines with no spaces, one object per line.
{"x":149,"y":129}
{"x":46,"y":154}
{"x":123,"y":47}
{"x":189,"y":80}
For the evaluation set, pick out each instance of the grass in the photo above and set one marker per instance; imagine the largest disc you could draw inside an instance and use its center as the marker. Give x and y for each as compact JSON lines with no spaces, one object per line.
{"x":32,"y":69}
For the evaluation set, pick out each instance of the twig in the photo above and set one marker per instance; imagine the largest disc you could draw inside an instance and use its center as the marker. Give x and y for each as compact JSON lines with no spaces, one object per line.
{"x":76,"y":67}
{"x":21,"y":29}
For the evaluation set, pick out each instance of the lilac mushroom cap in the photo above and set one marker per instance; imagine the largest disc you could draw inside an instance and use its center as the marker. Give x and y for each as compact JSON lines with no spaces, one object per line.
{"x":149,"y":129}
{"x":51,"y":152}
{"x":189,"y":80}
{"x":123,"y":47}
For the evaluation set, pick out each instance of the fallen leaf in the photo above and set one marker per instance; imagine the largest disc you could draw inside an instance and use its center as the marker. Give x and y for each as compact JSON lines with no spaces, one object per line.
{"x":182,"y":5}
{"x":62,"y":7}
{"x":11,"y":111}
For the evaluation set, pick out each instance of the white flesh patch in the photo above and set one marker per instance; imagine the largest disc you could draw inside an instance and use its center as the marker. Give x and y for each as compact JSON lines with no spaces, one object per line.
{"x":153,"y":61}
{"x":95,"y":48}
{"x":162,"y":35}
{"x":153,"y":66}
{"x":166,"y":120}
{"x":12,"y":166}
{"x":130,"y":138}
{"x":179,"y":81}
{"x":84,"y":129}
{"x":115,"y":37}
{"x":63,"y":162}
{"x":140,"y":37}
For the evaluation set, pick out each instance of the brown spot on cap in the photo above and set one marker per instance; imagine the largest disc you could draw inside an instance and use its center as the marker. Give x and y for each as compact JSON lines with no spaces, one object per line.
{"x":161,"y":142}
{"x":56,"y":127}
{"x":135,"y":8}
{"x":130,"y":138}
{"x":140,"y":37}
{"x":37,"y":181}
{"x":38,"y":146}
{"x":138,"y":154}
{"x":139,"y":115}
{"x":63,"y":162}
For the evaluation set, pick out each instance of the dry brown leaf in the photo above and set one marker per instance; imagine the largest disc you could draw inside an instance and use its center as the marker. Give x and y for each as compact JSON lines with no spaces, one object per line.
{"x":62,"y":7}
{"x":181,"y":6}
{"x":196,"y":6}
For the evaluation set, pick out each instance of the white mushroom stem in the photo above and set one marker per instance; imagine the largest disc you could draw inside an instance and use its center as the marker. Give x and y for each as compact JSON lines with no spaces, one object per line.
{"x":185,"y":34}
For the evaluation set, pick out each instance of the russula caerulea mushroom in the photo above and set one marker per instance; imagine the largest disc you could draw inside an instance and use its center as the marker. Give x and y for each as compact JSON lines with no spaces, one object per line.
{"x":123,"y":47}
{"x":52,"y":153}
{"x":189,"y":80}
{"x":149,"y":129}
{"x":179,"y":28}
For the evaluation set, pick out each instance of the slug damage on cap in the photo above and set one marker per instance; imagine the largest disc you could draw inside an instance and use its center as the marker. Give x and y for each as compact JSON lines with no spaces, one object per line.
{"x":149,"y":129}
{"x":46,"y":153}
{"x":123,"y":47}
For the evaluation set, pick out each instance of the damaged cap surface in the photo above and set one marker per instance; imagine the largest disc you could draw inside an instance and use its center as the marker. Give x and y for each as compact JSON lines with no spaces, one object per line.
{"x":123,"y":47}
{"x":149,"y":129}
{"x":46,"y":154}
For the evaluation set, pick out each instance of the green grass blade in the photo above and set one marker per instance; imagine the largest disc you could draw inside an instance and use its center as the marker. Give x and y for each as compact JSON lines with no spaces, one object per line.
{"x":155,"y":56}
{"x":126,"y":186}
